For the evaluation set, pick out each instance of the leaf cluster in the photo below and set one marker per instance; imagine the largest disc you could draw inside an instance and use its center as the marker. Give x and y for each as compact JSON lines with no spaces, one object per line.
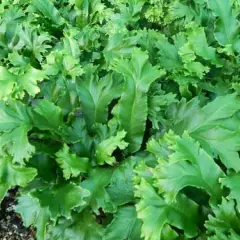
{"x":120,"y":119}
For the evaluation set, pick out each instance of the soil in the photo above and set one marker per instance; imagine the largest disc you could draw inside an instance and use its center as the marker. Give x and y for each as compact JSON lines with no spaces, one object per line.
{"x":11,"y":226}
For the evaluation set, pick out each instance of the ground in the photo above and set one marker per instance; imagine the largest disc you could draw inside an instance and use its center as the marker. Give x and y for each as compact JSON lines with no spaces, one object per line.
{"x":11,"y":226}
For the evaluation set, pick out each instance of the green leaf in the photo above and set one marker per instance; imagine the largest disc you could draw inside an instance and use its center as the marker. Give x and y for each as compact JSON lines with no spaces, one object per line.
{"x":106,"y":148}
{"x":197,"y":38}
{"x":47,"y":8}
{"x":215,"y":126}
{"x":83,"y":226}
{"x":28,"y":82}
{"x":37,"y":43}
{"x":189,"y":165}
{"x":222,"y":236}
{"x":33,"y":214}
{"x":132,"y":107}
{"x":158,"y":102}
{"x":96,"y":184}
{"x":96,"y":94}
{"x":124,"y":225}
{"x":61,"y":199}
{"x":232,"y":181}
{"x":226,"y":26}
{"x":159,"y":148}
{"x":119,"y":45}
{"x":6,"y":83}
{"x":71,"y":164}
{"x":169,"y":57}
{"x":178,"y":10}
{"x":47,"y":116}
{"x":14,"y":175}
{"x":15,"y":122}
{"x":3,"y":191}
{"x":225,"y":219}
{"x":156,"y":213}
{"x":121,"y":184}
{"x":196,"y":69}
{"x":17,"y":84}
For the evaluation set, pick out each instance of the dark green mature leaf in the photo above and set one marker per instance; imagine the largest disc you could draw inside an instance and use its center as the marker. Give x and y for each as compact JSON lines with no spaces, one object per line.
{"x":47,"y":116}
{"x":132,"y":107}
{"x":121,"y":184}
{"x":96,"y":94}
{"x":47,"y":8}
{"x":158,"y":102}
{"x":61,"y":199}
{"x":169,"y":57}
{"x":83,"y":226}
{"x":226,"y":26}
{"x":125,"y":225}
{"x":225,"y":220}
{"x":32,"y":213}
{"x":96,"y":185}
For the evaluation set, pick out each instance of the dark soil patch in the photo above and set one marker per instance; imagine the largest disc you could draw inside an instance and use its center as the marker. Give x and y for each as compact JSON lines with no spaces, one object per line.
{"x":11,"y":226}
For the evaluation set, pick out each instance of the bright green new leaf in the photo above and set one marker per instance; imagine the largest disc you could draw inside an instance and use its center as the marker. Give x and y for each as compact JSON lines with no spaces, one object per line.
{"x":15,"y":122}
{"x":125,"y":225}
{"x":215,"y":126}
{"x":106,"y":148}
{"x":71,"y":164}
{"x":197,"y":39}
{"x":132,"y":107}
{"x":13,"y":175}
{"x":28,"y":82}
{"x":189,"y":165}
{"x":156,"y":213}
{"x":7,"y":81}
{"x":12,"y":84}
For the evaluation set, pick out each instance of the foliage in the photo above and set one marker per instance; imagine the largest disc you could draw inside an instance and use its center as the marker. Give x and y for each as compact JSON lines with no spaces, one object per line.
{"x":120,"y":119}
